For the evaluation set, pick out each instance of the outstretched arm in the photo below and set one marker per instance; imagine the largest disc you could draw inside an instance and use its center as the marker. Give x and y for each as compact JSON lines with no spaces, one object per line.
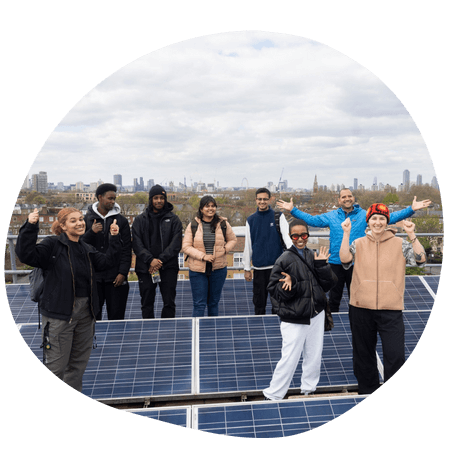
{"x":398,"y":216}
{"x":320,"y":220}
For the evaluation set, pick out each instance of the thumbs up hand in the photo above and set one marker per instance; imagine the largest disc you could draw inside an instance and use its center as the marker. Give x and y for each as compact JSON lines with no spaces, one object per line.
{"x":34,"y":216}
{"x":114,"y":228}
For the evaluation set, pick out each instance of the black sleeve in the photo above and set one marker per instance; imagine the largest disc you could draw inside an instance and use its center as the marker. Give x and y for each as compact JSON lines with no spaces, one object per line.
{"x":173,"y":249}
{"x":327,"y":278}
{"x":125,"y":259}
{"x":142,"y":253}
{"x":29,"y":251}
{"x":275,"y":286}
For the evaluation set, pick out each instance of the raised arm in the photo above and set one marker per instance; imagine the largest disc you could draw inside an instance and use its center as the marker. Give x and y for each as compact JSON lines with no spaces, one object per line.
{"x":419,"y":251}
{"x":344,"y":253}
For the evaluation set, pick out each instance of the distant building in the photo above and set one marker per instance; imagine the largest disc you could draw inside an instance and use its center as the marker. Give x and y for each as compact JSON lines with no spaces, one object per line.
{"x":39,"y":182}
{"x":406,"y":180}
{"x":315,"y":185}
{"x":117,"y":180}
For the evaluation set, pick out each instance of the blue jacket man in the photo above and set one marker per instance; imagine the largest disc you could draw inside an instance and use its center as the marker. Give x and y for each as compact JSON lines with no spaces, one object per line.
{"x":333,"y":220}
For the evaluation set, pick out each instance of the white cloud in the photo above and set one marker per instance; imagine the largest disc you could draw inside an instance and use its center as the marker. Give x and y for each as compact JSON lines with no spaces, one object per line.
{"x":238,"y":105}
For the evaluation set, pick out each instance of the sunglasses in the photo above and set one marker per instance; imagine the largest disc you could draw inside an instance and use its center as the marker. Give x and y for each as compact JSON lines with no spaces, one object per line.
{"x":296,"y":237}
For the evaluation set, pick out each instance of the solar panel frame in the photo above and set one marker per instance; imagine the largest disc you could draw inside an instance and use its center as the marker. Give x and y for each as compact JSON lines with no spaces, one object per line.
{"x":175,"y":415}
{"x":269,"y":419}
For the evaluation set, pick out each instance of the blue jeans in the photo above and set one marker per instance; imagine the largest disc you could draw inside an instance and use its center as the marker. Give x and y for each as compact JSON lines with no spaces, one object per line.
{"x":206,"y":291}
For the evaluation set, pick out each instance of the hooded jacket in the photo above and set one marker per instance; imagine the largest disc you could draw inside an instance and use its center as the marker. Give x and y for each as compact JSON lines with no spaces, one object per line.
{"x":307,"y":296}
{"x":100,"y":240}
{"x":378,"y":280}
{"x":166,"y":246}
{"x":59,"y":284}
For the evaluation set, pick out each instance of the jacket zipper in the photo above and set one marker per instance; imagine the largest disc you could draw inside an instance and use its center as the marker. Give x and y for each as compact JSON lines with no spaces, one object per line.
{"x":92,"y":285}
{"x":378,"y":253}
{"x":73,"y":282}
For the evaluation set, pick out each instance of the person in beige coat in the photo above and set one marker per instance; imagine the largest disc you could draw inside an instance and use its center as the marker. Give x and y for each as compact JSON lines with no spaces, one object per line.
{"x":376,"y":294}
{"x":207,"y":240}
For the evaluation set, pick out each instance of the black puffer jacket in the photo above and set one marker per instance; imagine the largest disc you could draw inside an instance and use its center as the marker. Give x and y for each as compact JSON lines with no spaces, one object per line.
{"x":59,"y":285}
{"x":307,"y":297}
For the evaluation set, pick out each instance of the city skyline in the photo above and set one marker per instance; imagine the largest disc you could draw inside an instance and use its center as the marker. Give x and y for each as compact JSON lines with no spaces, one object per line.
{"x":144,"y":183}
{"x":236,"y":106}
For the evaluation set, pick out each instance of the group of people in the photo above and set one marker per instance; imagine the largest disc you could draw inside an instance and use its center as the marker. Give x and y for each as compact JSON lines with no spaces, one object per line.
{"x":364,"y":255}
{"x":87,"y":264}
{"x":88,"y":260}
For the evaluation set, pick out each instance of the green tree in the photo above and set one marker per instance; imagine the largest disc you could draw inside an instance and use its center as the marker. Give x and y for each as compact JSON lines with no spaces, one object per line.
{"x":390,"y":198}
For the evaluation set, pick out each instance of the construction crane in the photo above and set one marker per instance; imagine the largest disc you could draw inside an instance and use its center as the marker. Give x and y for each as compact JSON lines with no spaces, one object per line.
{"x":279,"y":181}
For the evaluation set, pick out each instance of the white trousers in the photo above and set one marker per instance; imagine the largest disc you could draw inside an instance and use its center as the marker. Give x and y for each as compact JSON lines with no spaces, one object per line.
{"x":298,"y":339}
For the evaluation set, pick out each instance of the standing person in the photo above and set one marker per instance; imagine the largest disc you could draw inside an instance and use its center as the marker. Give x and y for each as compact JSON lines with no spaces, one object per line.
{"x":298,"y":282}
{"x":378,"y":286}
{"x":266,"y":236}
{"x":112,"y":284}
{"x":69,"y":302}
{"x":332,"y":220}
{"x":207,"y":240}
{"x":157,"y":235}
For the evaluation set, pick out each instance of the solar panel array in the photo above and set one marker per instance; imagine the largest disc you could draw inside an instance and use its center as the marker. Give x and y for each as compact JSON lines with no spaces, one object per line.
{"x":236,"y":299}
{"x":232,"y":353}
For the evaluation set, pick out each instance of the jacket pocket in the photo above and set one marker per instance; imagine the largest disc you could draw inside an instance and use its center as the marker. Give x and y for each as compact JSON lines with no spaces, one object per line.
{"x":389,"y":296}
{"x":364,"y":295}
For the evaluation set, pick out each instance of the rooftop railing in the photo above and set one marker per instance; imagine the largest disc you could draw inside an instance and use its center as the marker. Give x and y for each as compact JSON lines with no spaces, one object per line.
{"x":11,"y":239}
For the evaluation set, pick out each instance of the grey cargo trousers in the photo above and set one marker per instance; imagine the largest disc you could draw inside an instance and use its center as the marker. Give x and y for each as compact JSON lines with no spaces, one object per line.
{"x":68,"y":345}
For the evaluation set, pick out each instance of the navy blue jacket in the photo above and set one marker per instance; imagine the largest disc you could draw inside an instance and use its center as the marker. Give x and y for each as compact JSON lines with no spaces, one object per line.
{"x":266,"y":242}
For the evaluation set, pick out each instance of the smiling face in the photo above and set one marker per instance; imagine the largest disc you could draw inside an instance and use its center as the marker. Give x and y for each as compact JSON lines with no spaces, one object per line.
{"x":299,"y":230}
{"x":74,"y":226}
{"x":158,"y":202}
{"x":208,"y":211}
{"x":377,"y":224}
{"x":346,"y":200}
{"x":263,"y":201}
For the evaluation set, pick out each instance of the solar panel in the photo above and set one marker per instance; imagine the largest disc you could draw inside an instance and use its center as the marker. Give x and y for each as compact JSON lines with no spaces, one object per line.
{"x":271,"y":419}
{"x":231,"y":354}
{"x":241,"y":353}
{"x":180,"y":416}
{"x":134,"y":358}
{"x":236,"y":299}
{"x":431,"y":282}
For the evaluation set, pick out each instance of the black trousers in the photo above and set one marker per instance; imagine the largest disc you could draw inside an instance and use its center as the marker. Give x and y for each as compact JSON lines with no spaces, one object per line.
{"x":365,"y":324}
{"x":344,"y":279}
{"x":115,"y":297}
{"x":260,"y":281}
{"x":167,"y":287}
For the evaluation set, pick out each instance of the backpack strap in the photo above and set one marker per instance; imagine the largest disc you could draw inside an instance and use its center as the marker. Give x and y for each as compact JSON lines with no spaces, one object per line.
{"x":194,"y":226}
{"x":223,"y":225}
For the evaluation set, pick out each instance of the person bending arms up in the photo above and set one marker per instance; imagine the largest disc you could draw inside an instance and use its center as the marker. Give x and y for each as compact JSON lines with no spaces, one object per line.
{"x":378,"y":284}
{"x":332,"y":220}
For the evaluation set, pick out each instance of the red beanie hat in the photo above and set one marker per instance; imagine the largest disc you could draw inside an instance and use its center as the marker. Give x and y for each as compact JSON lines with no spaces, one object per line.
{"x":378,"y":208}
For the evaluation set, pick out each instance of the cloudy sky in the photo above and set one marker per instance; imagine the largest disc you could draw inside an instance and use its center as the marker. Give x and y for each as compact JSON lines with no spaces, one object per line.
{"x":236,"y":108}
